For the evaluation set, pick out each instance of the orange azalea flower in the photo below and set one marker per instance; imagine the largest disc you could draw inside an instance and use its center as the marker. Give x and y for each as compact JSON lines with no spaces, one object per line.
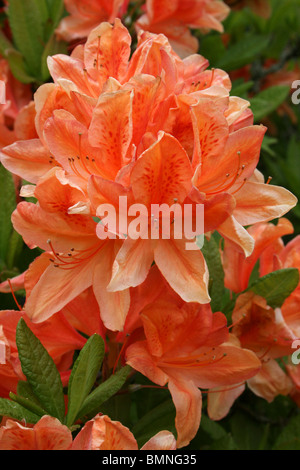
{"x":268,"y":244}
{"x":76,"y":258}
{"x":187,"y":348}
{"x":174,"y":19}
{"x":161,"y":175}
{"x":165,"y":103}
{"x":47,"y":434}
{"x":268,"y":383}
{"x":294,"y":374}
{"x":85,"y":15}
{"x":101,"y":433}
{"x":57,"y":335}
{"x":260,"y":328}
{"x":272,"y":255}
{"x":13,"y":125}
{"x":263,"y":330}
{"x":269,"y":333}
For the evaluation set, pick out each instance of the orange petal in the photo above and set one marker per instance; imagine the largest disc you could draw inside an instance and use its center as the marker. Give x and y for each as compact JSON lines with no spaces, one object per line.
{"x":132,"y":264}
{"x":256,"y":202}
{"x":28,"y":159}
{"x":114,"y":306}
{"x":188,"y":403}
{"x":102,"y":433}
{"x":185,"y":270}
{"x":233,"y":231}
{"x":107,"y":51}
{"x":111,"y":130}
{"x":270,"y":382}
{"x":164,"y":440}
{"x":162,"y":173}
{"x":220,"y":402}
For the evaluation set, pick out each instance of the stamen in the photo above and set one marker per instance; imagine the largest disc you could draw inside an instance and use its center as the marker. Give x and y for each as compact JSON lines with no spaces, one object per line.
{"x":195,"y":364}
{"x":74,"y":258}
{"x":120,"y":353}
{"x":224,"y":390}
{"x":237,"y":190}
{"x":13,"y":294}
{"x":238,"y":321}
{"x":221,"y":188}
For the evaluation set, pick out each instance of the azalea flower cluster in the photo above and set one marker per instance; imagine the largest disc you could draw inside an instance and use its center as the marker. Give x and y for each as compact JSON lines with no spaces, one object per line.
{"x":173,"y":19}
{"x":154,"y":128}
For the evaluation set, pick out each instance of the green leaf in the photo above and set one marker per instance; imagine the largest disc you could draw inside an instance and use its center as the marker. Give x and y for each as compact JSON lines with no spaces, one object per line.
{"x":214,"y":430}
{"x":27,"y":21}
{"x":84,"y":374}
{"x":41,"y":372}
{"x":267,"y":101}
{"x":225,"y":443}
{"x":28,"y":404}
{"x":276,"y":286}
{"x":14,"y":249}
{"x":243,"y":52}
{"x":53,"y":47}
{"x":91,"y":405}
{"x":212,"y":256}
{"x":289,"y":439}
{"x":56,"y":11}
{"x":18,"y":67}
{"x":267,"y":144}
{"x":247,"y":432}
{"x":5,"y":44}
{"x":13,"y":410}
{"x":162,"y":417}
{"x":240,"y":88}
{"x":7,"y":206}
{"x":24,"y":390}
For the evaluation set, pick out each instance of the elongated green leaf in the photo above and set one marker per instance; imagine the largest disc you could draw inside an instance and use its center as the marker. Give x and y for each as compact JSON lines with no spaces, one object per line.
{"x":5,"y":44}
{"x":14,"y":249}
{"x":84,"y":374}
{"x":243,"y":52}
{"x":18,"y":67}
{"x":24,"y":390}
{"x":162,"y":417}
{"x":52,"y":47}
{"x":276,"y":286}
{"x":13,"y":410}
{"x":212,"y":256}
{"x":91,"y":405}
{"x":7,"y":206}
{"x":289,"y":439}
{"x":41,"y":372}
{"x":28,"y":404}
{"x":27,"y":24}
{"x":56,"y":11}
{"x":267,"y":101}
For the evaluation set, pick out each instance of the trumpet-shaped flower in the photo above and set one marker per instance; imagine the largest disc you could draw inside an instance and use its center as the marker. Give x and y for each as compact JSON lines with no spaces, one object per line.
{"x":187,"y":348}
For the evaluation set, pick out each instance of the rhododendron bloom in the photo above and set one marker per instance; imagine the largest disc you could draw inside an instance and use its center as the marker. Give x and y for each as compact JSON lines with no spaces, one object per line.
{"x":261,"y":328}
{"x":57,"y":335}
{"x":101,"y":433}
{"x":187,"y":348}
{"x":174,"y":19}
{"x":78,"y":259}
{"x":156,"y":129}
{"x":85,"y":15}
{"x":47,"y":434}
{"x":272,"y":255}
